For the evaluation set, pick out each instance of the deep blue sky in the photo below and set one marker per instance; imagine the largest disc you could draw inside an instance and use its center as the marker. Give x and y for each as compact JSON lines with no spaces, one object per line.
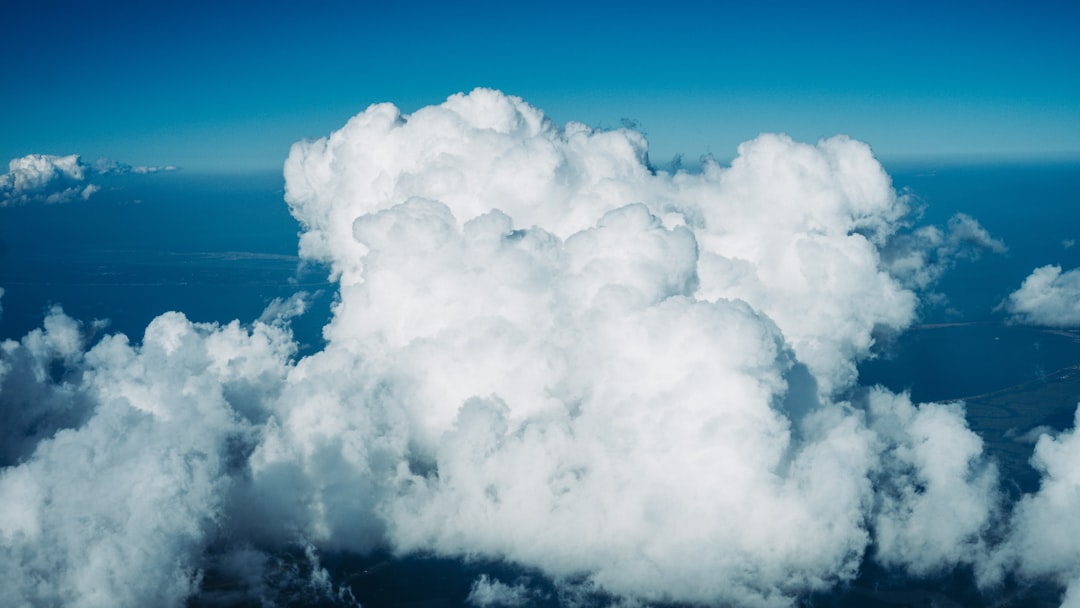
{"x":209,"y":86}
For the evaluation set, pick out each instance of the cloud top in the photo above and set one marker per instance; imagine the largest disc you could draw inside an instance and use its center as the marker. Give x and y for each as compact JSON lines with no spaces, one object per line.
{"x":793,"y":229}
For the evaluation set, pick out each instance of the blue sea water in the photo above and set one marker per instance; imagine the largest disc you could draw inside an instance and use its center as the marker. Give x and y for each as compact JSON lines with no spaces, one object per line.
{"x":216,"y":247}
{"x":948,"y":362}
{"x":1033,"y":207}
{"x":964,"y":345}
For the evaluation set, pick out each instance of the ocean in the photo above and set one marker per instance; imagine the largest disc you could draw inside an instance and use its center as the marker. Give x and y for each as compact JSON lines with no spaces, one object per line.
{"x":1033,"y":207}
{"x":964,"y":345}
{"x":217,"y":247}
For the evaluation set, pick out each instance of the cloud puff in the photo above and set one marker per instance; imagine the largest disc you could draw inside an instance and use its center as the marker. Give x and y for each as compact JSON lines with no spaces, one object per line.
{"x":1043,"y":539}
{"x":46,"y":178}
{"x":1048,"y":297}
{"x":34,"y":171}
{"x":640,"y":383}
{"x":58,"y":179}
{"x":118,"y":510}
{"x":40,"y":393}
{"x":936,"y":493}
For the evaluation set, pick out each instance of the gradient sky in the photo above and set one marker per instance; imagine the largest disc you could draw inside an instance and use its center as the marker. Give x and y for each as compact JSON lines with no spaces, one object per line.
{"x":204,"y":85}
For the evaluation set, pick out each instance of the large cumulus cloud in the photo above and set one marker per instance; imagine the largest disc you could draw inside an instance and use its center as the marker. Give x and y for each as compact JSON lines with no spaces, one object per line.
{"x":544,"y":351}
{"x":790,"y":228}
{"x":624,"y":374}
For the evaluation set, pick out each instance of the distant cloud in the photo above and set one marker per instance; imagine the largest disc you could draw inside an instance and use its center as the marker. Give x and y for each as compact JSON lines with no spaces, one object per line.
{"x":105,"y":166}
{"x":1047,"y":297}
{"x":44,"y":178}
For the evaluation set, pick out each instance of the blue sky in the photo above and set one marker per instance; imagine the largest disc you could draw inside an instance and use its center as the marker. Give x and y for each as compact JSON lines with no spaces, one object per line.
{"x":205,"y":86}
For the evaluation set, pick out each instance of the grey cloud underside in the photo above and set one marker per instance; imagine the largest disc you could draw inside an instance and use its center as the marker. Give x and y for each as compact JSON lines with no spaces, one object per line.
{"x":544,"y":351}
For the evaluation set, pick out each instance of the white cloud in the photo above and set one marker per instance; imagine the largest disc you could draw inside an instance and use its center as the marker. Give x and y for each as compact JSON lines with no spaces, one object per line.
{"x":543,"y":352}
{"x":1044,"y":538}
{"x":1048,"y":297}
{"x":966,"y":230}
{"x":936,"y":494}
{"x":35,"y":171}
{"x":52,"y":179}
{"x":118,"y":510}
{"x":919,"y":257}
{"x":282,"y":309}
{"x":58,"y":179}
{"x":491,"y":592}
{"x":39,"y":382}
{"x":106,"y":166}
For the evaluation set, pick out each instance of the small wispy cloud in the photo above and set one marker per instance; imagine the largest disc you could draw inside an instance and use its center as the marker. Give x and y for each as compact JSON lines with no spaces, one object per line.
{"x":919,"y":257}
